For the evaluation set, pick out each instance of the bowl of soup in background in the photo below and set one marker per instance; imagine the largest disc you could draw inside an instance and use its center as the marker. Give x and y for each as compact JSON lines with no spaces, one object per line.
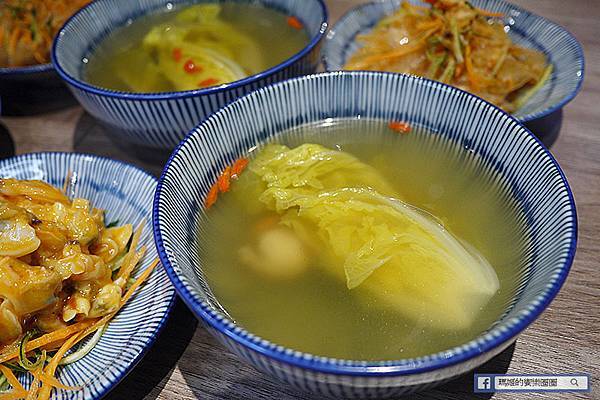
{"x":162,"y":119}
{"x":542,"y":113}
{"x":469,"y":135}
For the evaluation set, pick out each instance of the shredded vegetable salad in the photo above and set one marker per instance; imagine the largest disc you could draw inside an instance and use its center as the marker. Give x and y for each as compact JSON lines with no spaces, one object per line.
{"x":64,"y":274}
{"x":27,"y":28}
{"x":458,"y":44}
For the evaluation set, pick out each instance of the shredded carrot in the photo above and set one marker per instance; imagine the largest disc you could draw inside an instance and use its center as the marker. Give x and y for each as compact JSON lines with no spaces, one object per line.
{"x":404,"y":50}
{"x":138,"y":282}
{"x":458,"y":71}
{"x":400,"y":127}
{"x":487,"y":13}
{"x":423,"y":26}
{"x":473,"y":81}
{"x":39,"y":57}
{"x":47,"y":338}
{"x":131,"y":258}
{"x":47,"y":376}
{"x":106,"y":319}
{"x":35,"y":385}
{"x":294,"y":22}
{"x":23,"y":44}
{"x":12,"y":395}
{"x":52,"y":381}
{"x":51,"y":367}
{"x":239,"y":166}
{"x":211,"y":197}
{"x":12,"y":43}
{"x":12,"y":379}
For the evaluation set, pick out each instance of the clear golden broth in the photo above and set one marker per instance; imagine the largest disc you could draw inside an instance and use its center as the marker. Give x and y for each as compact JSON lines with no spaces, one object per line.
{"x":318,"y":314}
{"x":276,"y":40}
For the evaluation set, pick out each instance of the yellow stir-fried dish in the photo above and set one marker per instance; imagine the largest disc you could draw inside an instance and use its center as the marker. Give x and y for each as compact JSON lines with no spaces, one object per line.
{"x":455,"y":43}
{"x":27,"y":28}
{"x":64,"y":273}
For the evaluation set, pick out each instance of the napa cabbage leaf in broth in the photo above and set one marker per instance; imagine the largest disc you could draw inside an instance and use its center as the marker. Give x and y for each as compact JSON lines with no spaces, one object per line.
{"x":382,"y":247}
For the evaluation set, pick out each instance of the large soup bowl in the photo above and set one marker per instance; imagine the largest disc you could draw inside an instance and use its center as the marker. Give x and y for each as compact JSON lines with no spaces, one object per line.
{"x":489,"y":136}
{"x":161,"y":120}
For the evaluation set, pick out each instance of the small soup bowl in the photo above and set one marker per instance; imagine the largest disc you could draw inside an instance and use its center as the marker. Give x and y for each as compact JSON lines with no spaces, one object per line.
{"x":542,"y":114}
{"x":489,"y":136}
{"x":161,"y":120}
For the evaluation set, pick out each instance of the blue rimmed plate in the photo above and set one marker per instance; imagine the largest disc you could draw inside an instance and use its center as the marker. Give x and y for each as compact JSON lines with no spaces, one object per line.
{"x":488,"y":135}
{"x":524,"y":28}
{"x":126,"y":193}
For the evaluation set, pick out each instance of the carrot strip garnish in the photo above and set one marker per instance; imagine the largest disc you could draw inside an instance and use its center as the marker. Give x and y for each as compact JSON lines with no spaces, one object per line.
{"x":473,"y":80}
{"x":402,"y":51}
{"x":12,"y":379}
{"x":50,"y":371}
{"x":47,"y":339}
{"x":51,"y":368}
{"x":487,"y":13}
{"x":238,"y":166}
{"x":294,"y":22}
{"x":212,"y":196}
{"x":223,"y":183}
{"x":400,"y":127}
{"x":52,"y":381}
{"x":224,"y":180}
{"x":131,"y":258}
{"x":12,"y":395}
{"x":35,"y":385}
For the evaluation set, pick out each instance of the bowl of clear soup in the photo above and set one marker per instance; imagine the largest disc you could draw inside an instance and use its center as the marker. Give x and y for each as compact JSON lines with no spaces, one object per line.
{"x":152,"y":70}
{"x":364,"y":234}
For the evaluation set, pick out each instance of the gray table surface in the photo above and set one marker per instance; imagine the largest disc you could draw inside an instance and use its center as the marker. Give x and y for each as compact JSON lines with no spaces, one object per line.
{"x":187,"y":363}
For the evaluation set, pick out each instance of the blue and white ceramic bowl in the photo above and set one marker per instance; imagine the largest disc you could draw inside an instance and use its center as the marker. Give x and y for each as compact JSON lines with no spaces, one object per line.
{"x":542,"y":112}
{"x":32,"y":90}
{"x":491,"y":136}
{"x":161,"y":120}
{"x":126,"y":193}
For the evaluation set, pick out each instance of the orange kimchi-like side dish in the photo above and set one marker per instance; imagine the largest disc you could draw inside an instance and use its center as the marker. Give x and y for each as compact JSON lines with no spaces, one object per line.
{"x":456,"y":43}
{"x":27,"y":28}
{"x":64,"y":274}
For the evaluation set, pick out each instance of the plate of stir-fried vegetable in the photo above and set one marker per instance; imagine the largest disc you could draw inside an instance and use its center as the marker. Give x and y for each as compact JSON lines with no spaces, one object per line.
{"x":518,"y":61}
{"x":81,"y":297}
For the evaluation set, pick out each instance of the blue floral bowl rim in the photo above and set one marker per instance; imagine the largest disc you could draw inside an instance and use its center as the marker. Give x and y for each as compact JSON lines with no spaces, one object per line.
{"x":526,"y":118}
{"x":321,"y":364}
{"x":81,"y":84}
{"x":112,"y":382}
